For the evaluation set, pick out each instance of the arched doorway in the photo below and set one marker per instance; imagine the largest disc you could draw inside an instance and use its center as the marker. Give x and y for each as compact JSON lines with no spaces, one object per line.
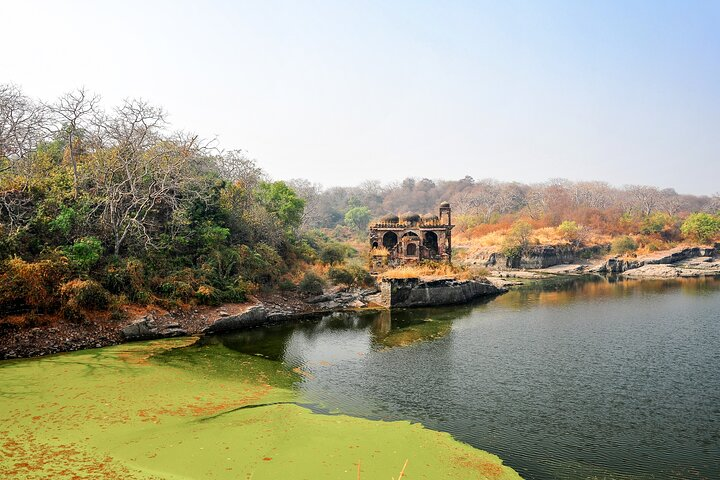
{"x":411,"y":250}
{"x":431,"y":242}
{"x":389,"y":240}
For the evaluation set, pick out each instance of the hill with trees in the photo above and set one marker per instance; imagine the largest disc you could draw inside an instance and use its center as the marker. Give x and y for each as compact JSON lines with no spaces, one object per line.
{"x":100,"y":208}
{"x":558,"y":210}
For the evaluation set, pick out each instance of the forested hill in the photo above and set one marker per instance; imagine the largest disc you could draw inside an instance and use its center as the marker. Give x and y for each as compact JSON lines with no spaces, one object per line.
{"x":99,"y":207}
{"x":487,"y":201}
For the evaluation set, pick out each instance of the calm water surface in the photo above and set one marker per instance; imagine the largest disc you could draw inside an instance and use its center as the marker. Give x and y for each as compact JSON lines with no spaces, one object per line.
{"x":575,"y":379}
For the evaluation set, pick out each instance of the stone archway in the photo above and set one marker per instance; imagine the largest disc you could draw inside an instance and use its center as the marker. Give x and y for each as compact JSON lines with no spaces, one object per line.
{"x":411,"y":250}
{"x":389,"y":240}
{"x":431,"y":243}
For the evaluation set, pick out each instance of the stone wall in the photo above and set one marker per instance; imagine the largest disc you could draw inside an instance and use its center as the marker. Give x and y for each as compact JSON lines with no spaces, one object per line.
{"x":414,"y":292}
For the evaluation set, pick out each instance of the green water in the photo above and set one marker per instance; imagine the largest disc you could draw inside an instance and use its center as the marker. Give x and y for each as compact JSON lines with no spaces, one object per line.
{"x":171,"y":410}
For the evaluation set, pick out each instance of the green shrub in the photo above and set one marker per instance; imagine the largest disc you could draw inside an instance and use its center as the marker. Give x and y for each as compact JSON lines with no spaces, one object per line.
{"x":262,"y":264}
{"x":127,"y":277}
{"x":287,"y":285}
{"x":143,"y":297}
{"x":702,"y":227}
{"x":358,"y":218}
{"x":333,"y":253}
{"x":233,"y":294}
{"x":65,"y":220}
{"x":207,"y":295}
{"x":656,"y":223}
{"x":361,"y":275}
{"x":84,"y":253}
{"x":177,"y":289}
{"x":517,"y":240}
{"x":623,"y":245}
{"x":311,"y":284}
{"x":569,"y":230}
{"x":341,"y":275}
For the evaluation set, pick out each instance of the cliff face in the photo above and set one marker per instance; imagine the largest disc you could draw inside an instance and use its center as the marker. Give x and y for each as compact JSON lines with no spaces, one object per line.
{"x":414,"y":292}
{"x":544,"y":256}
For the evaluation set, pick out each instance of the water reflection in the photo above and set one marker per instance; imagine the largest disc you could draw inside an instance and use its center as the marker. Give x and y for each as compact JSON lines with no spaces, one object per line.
{"x":576,"y":378}
{"x":343,"y":335}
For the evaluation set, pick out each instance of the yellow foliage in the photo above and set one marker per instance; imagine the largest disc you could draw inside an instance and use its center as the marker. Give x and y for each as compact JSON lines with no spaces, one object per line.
{"x":427,"y":270}
{"x":32,"y":284}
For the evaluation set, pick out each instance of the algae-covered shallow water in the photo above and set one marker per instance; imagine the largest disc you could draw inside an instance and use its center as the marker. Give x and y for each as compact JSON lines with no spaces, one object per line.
{"x":171,"y":410}
{"x":574,"y":379}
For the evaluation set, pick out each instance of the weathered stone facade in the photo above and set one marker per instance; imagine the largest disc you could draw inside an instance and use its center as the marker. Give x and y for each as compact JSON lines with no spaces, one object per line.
{"x":411,"y":238}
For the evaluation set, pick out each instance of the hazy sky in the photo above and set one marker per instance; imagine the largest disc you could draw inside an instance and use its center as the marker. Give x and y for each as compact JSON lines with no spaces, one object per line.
{"x":338,"y":92}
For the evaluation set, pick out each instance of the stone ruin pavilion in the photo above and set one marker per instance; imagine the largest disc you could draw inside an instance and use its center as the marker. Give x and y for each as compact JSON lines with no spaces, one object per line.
{"x":412,"y":238}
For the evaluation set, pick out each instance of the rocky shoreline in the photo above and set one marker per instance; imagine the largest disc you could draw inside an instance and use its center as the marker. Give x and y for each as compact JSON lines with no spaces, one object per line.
{"x":679,"y":262}
{"x":148,"y":323}
{"x":56,"y":335}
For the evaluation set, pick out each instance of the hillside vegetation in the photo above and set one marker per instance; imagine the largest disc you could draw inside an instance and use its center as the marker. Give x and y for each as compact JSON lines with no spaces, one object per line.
{"x":99,"y":208}
{"x":554,"y":212}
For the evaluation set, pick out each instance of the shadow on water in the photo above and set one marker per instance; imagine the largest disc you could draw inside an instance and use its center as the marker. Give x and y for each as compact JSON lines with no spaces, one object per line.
{"x":384,"y":329}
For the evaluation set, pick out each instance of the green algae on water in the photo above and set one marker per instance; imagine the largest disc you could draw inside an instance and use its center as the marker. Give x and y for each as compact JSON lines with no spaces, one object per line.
{"x":156,"y":410}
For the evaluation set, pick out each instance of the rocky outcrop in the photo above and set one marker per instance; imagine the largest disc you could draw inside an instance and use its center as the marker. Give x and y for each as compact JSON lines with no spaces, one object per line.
{"x":669,"y":257}
{"x":677,"y":255}
{"x":544,"y":256}
{"x":147,"y":328}
{"x":278,"y":310}
{"x":414,"y":292}
{"x":252,"y":317}
{"x":692,"y":267}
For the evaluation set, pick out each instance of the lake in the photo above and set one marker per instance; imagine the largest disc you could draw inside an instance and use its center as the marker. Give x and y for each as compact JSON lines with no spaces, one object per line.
{"x":575,"y":378}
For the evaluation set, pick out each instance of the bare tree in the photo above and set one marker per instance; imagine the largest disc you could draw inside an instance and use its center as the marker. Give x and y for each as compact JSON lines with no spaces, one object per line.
{"x":74,"y":110}
{"x":591,"y":194}
{"x":669,"y":201}
{"x":537,"y":201}
{"x":310,"y":192}
{"x":644,"y":199}
{"x":236,"y":166}
{"x":140,"y":173}
{"x":23,"y":124}
{"x":714,"y":204}
{"x":16,"y":209}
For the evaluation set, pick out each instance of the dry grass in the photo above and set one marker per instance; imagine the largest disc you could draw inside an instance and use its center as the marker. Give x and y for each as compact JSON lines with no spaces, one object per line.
{"x":298,"y":273}
{"x":541,"y":236}
{"x":419,"y":271}
{"x":379,"y":252}
{"x":435,"y":271}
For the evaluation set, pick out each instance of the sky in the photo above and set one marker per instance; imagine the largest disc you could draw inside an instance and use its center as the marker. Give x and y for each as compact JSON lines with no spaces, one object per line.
{"x":344,"y":91}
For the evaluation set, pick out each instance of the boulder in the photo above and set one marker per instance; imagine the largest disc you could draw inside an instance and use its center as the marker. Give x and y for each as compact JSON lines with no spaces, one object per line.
{"x":414,"y":292}
{"x":252,"y":317}
{"x":147,"y":329}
